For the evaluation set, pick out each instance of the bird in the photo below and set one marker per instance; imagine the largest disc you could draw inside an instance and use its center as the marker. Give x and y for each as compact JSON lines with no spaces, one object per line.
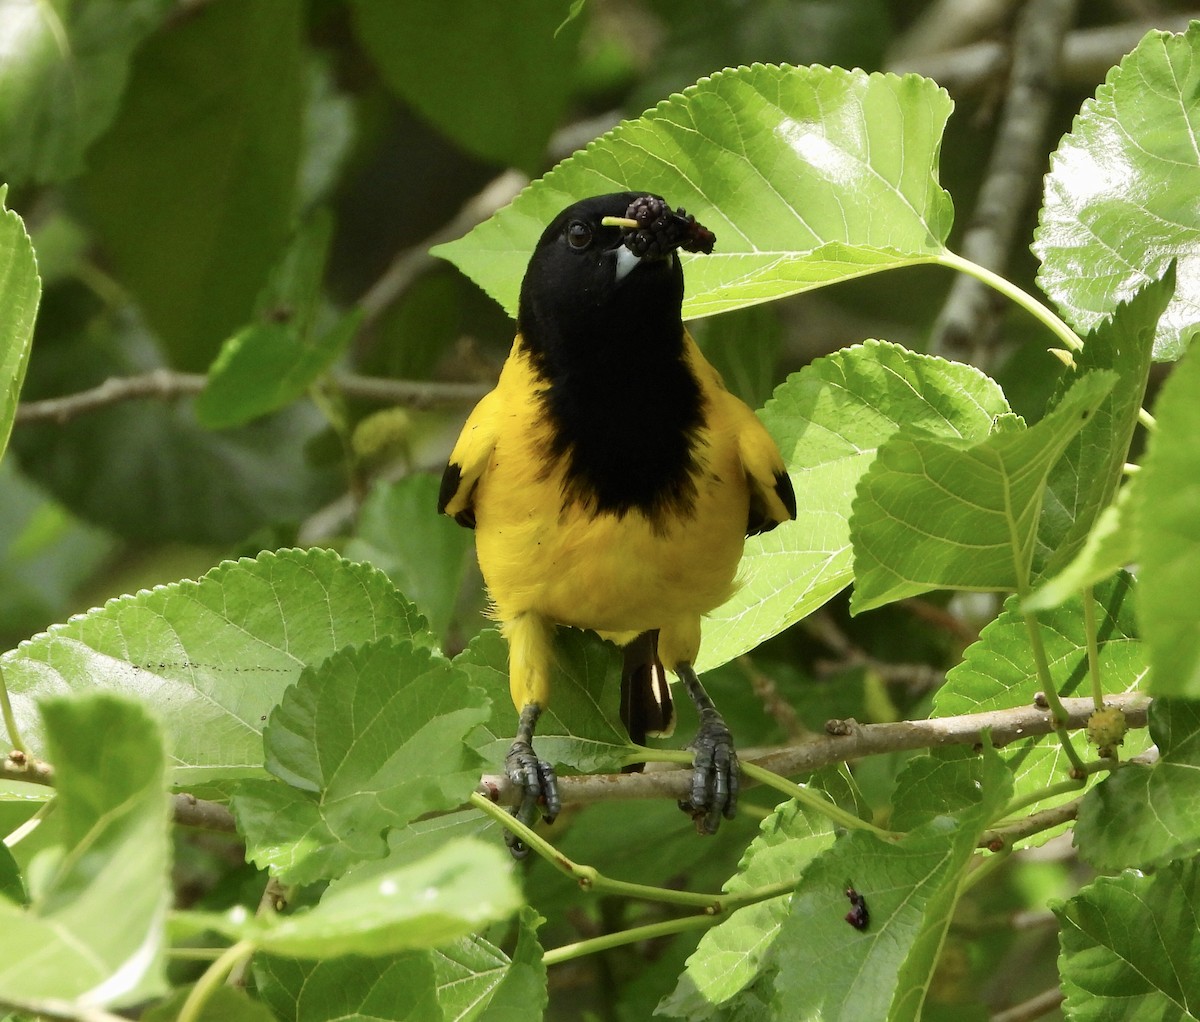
{"x":611,"y":480}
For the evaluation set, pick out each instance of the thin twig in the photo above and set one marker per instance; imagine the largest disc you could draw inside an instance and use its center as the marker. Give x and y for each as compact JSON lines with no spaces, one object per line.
{"x":160,"y":384}
{"x":169,"y":385}
{"x":970,"y":318}
{"x":187,"y":810}
{"x":853,"y":741}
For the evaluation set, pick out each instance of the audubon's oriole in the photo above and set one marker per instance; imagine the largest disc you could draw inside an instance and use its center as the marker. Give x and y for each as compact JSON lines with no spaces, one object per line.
{"x":611,"y":479}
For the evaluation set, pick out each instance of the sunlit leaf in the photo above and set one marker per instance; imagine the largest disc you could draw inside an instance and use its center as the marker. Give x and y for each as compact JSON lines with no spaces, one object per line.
{"x":999,"y":672}
{"x":422,"y":904}
{"x":213,"y":657}
{"x":807,"y":175}
{"x":933,"y":513}
{"x":829,"y":420}
{"x":366,"y":741}
{"x":1085,"y":479}
{"x":1120,"y":196}
{"x":1168,"y":536}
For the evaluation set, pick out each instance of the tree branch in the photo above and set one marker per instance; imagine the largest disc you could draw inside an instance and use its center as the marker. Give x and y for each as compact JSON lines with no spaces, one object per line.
{"x":969,"y":321}
{"x":847,"y":740}
{"x":168,"y":385}
{"x":1087,"y":55}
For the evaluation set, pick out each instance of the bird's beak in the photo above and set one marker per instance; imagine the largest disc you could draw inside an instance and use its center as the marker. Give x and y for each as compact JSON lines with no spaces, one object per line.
{"x":626,"y":262}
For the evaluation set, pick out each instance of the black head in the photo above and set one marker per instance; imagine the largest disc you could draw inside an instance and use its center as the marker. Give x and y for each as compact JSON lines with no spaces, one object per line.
{"x":584,"y":282}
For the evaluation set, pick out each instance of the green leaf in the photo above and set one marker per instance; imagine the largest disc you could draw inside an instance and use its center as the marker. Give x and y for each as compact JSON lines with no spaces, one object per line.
{"x":468,"y":972}
{"x":829,"y":420}
{"x":942,"y":781}
{"x":1145,"y":816}
{"x":276,"y":359}
{"x":427,"y":556}
{"x":521,"y":995}
{"x":1129,"y":946}
{"x":933,"y":513}
{"x":1119,"y":203}
{"x":732,"y":954}
{"x":20,"y":291}
{"x":213,"y":657}
{"x":834,"y":971}
{"x":998,"y":672}
{"x":367,"y":741}
{"x":580,"y":727}
{"x":466,"y":885}
{"x":396,"y":988}
{"x":1083,"y":482}
{"x":1108,"y":547}
{"x":193,"y":189}
{"x":112,"y":863}
{"x":64,"y":70}
{"x":519,"y":62}
{"x":808,"y":175}
{"x":1168,"y":536}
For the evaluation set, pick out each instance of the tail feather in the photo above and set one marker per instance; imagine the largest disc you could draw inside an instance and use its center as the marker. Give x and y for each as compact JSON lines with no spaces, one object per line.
{"x":646,"y":705}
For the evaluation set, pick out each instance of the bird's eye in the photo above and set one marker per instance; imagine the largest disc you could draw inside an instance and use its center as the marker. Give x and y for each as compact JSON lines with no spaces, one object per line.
{"x":579,"y":234}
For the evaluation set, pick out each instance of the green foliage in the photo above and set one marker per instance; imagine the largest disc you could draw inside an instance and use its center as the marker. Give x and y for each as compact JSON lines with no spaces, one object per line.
{"x":1168,"y":527}
{"x":214,"y":656}
{"x":375,"y":733}
{"x":807,"y":176}
{"x":1130,"y":158}
{"x":193,"y":187}
{"x":1146,"y":815}
{"x":243,"y":189}
{"x":21,"y":287}
{"x":110,"y":862}
{"x":515,"y":55}
{"x":1129,"y":946}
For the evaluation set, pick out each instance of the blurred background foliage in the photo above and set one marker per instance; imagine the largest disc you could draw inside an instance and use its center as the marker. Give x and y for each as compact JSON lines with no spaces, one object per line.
{"x":195,"y":170}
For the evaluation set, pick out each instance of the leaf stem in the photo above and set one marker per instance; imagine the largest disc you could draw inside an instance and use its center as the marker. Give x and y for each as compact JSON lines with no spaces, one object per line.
{"x":29,"y":826}
{"x":1042,"y":313}
{"x":1093,"y":646}
{"x":1058,"y":712}
{"x":668,"y":927}
{"x":811,"y":800}
{"x":213,"y":977}
{"x":588,"y":877}
{"x":10,"y":719}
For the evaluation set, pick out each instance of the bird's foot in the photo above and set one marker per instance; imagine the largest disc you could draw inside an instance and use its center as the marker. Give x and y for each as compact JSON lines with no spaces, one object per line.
{"x":715,"y":775}
{"x":539,"y":788}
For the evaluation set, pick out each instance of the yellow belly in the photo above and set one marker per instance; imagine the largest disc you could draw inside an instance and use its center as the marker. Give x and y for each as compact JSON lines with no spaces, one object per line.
{"x":616,"y":574}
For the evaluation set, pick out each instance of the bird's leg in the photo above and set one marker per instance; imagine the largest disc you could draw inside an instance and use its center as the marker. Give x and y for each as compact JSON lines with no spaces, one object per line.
{"x":715,"y":770}
{"x":535,"y":777}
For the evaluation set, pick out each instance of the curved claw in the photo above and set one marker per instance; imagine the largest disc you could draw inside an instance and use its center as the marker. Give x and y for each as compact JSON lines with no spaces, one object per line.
{"x":715,"y":775}
{"x":539,"y":787}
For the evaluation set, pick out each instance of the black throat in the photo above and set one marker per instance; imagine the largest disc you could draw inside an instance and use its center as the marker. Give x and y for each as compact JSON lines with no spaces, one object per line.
{"x":625,"y":408}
